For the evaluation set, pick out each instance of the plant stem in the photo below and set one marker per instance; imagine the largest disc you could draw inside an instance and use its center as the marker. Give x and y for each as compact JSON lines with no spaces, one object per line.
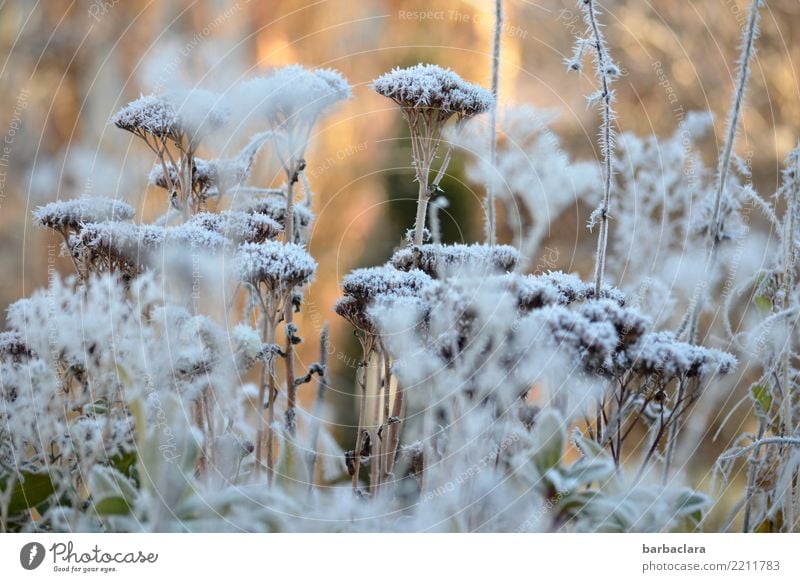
{"x":375,"y":458}
{"x":362,"y":413}
{"x":603,"y":66}
{"x":491,"y":208}
{"x":288,"y":311}
{"x":322,"y":386}
{"x":713,"y":237}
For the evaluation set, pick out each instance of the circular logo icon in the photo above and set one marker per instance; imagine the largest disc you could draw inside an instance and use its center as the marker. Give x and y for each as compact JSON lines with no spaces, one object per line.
{"x":31,"y":555}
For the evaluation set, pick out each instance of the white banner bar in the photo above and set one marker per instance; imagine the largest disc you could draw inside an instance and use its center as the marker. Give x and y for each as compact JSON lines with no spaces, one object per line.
{"x":390,"y":557}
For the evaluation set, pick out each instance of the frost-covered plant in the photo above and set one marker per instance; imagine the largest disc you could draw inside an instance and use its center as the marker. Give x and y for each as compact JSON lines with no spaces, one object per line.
{"x":127,"y":406}
{"x":606,"y":71}
{"x":771,"y":500}
{"x":428,"y":96}
{"x":178,"y":119}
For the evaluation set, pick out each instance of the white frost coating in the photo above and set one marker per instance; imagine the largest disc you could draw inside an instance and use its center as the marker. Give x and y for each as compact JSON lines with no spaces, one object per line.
{"x":193,"y":113}
{"x":128,"y":236}
{"x":149,"y":113}
{"x":446,"y":260}
{"x":64,"y":215}
{"x":275,"y":208}
{"x":571,"y":288}
{"x":662,"y":353}
{"x":281,"y":267}
{"x":238,"y":226}
{"x":198,"y":111}
{"x":370,"y":282}
{"x":377,"y":289}
{"x":293,"y":94}
{"x":432,"y":87}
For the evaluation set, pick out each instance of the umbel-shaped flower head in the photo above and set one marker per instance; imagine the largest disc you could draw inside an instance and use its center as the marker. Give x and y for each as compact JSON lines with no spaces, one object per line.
{"x":432,"y":89}
{"x":293,"y":98}
{"x":281,"y":267}
{"x":173,"y":115}
{"x":67,"y":216}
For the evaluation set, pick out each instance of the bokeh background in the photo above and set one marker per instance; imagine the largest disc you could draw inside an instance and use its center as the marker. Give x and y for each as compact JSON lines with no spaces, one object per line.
{"x":67,"y":65}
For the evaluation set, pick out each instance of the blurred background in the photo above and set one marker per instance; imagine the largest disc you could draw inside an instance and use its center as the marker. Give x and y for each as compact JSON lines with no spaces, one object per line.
{"x":68,"y":65}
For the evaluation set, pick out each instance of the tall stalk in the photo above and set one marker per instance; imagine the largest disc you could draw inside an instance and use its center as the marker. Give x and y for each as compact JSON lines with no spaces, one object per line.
{"x":491,"y":208}
{"x":293,"y":174}
{"x":713,"y":236}
{"x":605,"y":70}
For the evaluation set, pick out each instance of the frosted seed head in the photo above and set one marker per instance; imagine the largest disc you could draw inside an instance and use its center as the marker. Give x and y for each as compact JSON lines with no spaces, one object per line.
{"x":274,"y":207}
{"x":150,"y":114}
{"x":444,"y":261}
{"x":238,"y":227}
{"x":281,"y":267}
{"x":431,"y":87}
{"x":70,"y":215}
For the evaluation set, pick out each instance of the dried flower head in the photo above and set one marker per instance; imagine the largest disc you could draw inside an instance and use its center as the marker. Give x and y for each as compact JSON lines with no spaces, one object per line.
{"x":445,"y":260}
{"x":70,"y":215}
{"x":363,"y":287}
{"x":238,"y":226}
{"x":661,"y":353}
{"x":431,"y":88}
{"x":293,"y":98}
{"x":275,"y":208}
{"x":149,"y":114}
{"x":281,"y":267}
{"x":173,"y":115}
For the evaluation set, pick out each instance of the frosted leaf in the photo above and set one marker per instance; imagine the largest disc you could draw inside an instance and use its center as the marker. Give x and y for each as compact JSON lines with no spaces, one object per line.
{"x":430,"y":87}
{"x":446,"y":260}
{"x":66,"y":215}
{"x":281,"y":267}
